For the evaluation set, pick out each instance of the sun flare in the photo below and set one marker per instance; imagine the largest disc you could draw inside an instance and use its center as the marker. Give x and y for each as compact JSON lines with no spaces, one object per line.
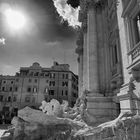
{"x":15,"y":19}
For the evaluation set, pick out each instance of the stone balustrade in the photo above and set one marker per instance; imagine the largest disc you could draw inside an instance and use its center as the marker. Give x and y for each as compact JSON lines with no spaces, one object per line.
{"x":135,"y":52}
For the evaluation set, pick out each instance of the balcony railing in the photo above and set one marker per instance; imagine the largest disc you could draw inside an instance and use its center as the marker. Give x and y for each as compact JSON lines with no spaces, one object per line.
{"x":135,"y":52}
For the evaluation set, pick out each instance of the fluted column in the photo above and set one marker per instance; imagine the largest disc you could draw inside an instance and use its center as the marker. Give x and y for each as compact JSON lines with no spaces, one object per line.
{"x":79,"y":51}
{"x":83,"y":19}
{"x":92,"y":50}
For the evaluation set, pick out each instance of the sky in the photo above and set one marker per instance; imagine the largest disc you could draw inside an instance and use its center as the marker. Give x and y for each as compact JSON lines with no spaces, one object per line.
{"x":46,"y":38}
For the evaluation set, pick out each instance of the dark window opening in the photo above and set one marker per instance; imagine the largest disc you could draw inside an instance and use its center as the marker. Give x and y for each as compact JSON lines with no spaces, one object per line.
{"x":65,"y":84}
{"x":29,"y":89}
{"x":16,"y":88}
{"x":34,"y":89}
{"x":51,"y":92}
{"x":3,"y":88}
{"x":35,"y":80}
{"x":14,"y":99}
{"x":1,"y":98}
{"x":114,"y":55}
{"x":11,"y":88}
{"x":66,"y":92}
{"x":9,"y":99}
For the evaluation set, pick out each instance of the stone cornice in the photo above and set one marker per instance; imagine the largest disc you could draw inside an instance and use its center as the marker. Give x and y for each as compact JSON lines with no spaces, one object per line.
{"x":85,"y":6}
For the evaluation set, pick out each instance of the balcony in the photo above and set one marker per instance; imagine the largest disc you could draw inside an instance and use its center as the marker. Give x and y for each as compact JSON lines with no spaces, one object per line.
{"x":134,"y":56}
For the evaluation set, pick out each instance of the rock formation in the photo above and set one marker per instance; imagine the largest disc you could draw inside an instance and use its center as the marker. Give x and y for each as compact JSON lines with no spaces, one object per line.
{"x":34,"y":124}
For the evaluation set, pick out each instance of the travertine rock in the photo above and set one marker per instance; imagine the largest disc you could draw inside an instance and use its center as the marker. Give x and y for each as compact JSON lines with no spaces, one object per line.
{"x":37,"y":116}
{"x":51,"y":108}
{"x":35,"y":125}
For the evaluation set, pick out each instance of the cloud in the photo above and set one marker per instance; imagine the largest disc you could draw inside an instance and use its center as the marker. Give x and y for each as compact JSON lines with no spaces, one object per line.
{"x":67,"y":12}
{"x":51,"y":44}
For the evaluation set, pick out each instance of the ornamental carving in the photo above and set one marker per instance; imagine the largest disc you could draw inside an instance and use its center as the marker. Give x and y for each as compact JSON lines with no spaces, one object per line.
{"x":79,"y":41}
{"x":96,"y":3}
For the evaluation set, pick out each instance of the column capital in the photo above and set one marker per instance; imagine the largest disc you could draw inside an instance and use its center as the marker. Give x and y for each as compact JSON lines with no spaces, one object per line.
{"x":95,"y":3}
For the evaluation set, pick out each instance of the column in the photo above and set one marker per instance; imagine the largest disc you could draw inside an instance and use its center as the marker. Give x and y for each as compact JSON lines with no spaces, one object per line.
{"x":85,"y":84}
{"x":92,"y":57}
{"x":79,"y":51}
{"x":80,"y":70}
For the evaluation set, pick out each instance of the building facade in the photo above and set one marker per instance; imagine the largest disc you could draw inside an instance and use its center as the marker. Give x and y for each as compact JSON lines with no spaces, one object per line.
{"x":35,"y":83}
{"x":109,"y":57}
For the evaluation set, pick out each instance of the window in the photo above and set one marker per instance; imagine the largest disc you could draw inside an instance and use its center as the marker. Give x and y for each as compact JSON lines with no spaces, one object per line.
{"x":30,"y":80}
{"x":12,"y":82}
{"x":46,"y":90}
{"x":41,"y":74}
{"x":62,"y":92}
{"x":34,"y":89}
{"x":50,"y":75}
{"x":1,"y":98}
{"x":137,"y":28}
{"x":52,"y":83}
{"x":51,"y":92}
{"x":29,"y":89}
{"x":27,"y":99}
{"x":4,"y":82}
{"x":3,"y":88}
{"x":114,"y":55}
{"x":53,"y":75}
{"x":36,"y":74}
{"x":31,"y":74}
{"x":16,"y":89}
{"x":63,"y":76}
{"x":11,"y":88}
{"x":9,"y":99}
{"x":74,"y":95}
{"x":35,"y":80}
{"x":65,"y":83}
{"x":66,"y":76}
{"x":14,"y":99}
{"x":66,"y":92}
{"x":47,"y":74}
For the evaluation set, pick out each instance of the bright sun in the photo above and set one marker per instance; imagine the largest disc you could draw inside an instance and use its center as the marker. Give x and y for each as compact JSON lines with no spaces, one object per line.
{"x":15,"y":19}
